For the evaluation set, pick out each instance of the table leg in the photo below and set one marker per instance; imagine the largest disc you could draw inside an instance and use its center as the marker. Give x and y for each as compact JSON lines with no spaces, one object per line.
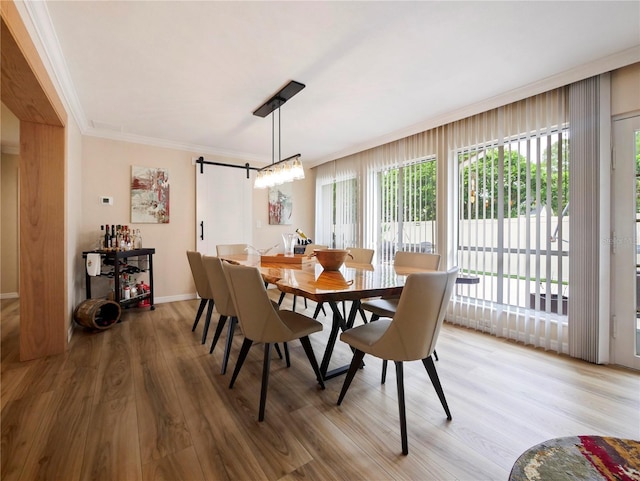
{"x":338,"y":324}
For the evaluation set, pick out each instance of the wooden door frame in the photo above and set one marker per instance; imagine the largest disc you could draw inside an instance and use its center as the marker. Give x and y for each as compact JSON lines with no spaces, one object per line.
{"x":29,"y":93}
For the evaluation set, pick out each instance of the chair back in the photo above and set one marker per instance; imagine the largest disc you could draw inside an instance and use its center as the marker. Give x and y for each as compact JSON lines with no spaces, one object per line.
{"x":219,"y":287}
{"x":413,"y":333}
{"x":361,"y":255}
{"x":257,"y":317}
{"x":417,"y":259}
{"x":308,"y":249}
{"x":199,"y":275}
{"x":231,"y":249}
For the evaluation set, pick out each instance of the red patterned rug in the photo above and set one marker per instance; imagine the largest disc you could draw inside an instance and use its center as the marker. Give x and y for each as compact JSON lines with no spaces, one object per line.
{"x":592,"y":458}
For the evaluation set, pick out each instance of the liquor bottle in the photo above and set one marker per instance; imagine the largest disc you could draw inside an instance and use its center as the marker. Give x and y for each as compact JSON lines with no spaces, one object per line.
{"x":114,"y":243}
{"x":101,"y":238}
{"x":303,"y":237}
{"x":107,"y":238}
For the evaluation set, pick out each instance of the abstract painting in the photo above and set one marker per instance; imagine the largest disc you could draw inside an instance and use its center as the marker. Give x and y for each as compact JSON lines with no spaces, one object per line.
{"x":149,"y":195}
{"x":280,"y":204}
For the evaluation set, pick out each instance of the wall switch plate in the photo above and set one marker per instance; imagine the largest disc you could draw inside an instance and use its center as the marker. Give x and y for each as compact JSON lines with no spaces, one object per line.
{"x":106,"y":200}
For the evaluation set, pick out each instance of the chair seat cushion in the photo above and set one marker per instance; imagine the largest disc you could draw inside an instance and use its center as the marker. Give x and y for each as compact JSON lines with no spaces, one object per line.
{"x":299,"y":324}
{"x":363,"y":337}
{"x":381,"y":307}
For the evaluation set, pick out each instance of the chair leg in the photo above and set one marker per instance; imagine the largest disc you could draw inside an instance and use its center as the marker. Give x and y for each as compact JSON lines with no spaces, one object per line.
{"x":281,"y":298}
{"x":435,"y":380}
{"x":306,"y":344}
{"x":317,"y":311}
{"x":265,"y":380}
{"x":244,"y":350}
{"x":207,"y":321}
{"x":363,"y":315}
{"x":286,"y":354}
{"x":203,"y":302}
{"x":435,"y":355}
{"x":355,"y":365}
{"x":216,"y":336}
{"x":401,"y":407}
{"x":295,"y":298}
{"x":384,"y":371}
{"x":227,"y":347}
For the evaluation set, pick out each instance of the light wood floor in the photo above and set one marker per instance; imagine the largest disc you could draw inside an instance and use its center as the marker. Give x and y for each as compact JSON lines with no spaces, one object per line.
{"x":145,"y":400}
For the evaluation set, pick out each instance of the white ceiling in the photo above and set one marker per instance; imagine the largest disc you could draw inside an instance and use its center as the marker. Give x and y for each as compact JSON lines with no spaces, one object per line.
{"x":190,"y":74}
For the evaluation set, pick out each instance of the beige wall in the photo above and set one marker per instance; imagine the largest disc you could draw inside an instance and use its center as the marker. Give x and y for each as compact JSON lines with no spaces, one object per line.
{"x":9,"y":226}
{"x":625,"y":90}
{"x":74,"y":263}
{"x":106,"y":171}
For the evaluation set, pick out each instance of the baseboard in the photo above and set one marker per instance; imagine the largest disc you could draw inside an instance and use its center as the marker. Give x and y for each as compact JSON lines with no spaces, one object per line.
{"x":181,"y":297}
{"x":10,"y":295}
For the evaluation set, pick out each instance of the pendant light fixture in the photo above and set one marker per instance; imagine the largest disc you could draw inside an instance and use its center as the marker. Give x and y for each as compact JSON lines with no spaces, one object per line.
{"x":284,"y":170}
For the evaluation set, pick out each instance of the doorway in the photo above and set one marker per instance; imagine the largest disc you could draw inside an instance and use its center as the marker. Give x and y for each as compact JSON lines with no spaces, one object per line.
{"x":625,"y":275}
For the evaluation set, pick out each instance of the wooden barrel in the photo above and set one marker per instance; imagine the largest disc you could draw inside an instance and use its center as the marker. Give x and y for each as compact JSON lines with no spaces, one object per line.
{"x":97,"y":313}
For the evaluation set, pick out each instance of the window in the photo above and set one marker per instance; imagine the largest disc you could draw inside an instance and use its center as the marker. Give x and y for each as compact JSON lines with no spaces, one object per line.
{"x":407,"y":209}
{"x":513,"y":221}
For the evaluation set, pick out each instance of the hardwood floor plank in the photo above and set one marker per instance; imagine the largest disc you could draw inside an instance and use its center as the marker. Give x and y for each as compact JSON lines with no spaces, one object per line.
{"x":115,"y":378}
{"x":162,"y":428}
{"x":112,"y":446}
{"x":221,"y":445}
{"x":22,"y":420}
{"x":181,"y":465}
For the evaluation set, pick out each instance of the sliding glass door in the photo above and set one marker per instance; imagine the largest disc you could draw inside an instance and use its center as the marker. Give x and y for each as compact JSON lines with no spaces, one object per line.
{"x":625,"y":244}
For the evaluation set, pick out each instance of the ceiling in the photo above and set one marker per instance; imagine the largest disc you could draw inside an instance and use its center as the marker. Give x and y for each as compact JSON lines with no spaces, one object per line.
{"x":190,"y":74}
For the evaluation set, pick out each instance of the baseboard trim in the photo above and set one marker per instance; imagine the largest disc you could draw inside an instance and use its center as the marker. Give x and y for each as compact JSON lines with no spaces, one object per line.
{"x":10,"y":295}
{"x":180,"y":297}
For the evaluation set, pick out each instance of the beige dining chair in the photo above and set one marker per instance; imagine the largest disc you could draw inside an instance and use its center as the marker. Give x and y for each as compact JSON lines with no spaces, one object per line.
{"x":386,"y":307}
{"x":231,"y":249}
{"x":261,"y":322}
{"x":410,"y":336}
{"x":224,"y":305}
{"x":203,"y":289}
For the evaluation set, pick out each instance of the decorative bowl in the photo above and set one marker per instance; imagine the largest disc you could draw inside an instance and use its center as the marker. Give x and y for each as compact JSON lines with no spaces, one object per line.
{"x":331,"y":259}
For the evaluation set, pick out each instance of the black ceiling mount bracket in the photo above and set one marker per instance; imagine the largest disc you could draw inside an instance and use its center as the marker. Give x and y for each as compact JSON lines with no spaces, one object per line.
{"x":279,"y":98}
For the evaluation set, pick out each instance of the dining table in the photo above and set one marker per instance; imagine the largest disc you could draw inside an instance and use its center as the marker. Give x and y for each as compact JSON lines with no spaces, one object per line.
{"x":303,"y":276}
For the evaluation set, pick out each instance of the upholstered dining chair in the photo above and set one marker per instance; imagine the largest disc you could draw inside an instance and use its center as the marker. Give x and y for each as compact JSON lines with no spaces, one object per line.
{"x":203,"y":289}
{"x":231,"y":249}
{"x":260,"y":321}
{"x":386,"y":307}
{"x":224,"y":305}
{"x":410,"y":336}
{"x":226,"y":309}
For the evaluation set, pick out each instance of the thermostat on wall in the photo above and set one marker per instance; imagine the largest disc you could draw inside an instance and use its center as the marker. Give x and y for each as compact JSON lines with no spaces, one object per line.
{"x":106,"y":200}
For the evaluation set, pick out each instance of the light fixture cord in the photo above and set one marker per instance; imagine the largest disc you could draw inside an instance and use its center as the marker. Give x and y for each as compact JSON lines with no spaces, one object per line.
{"x":273,"y":138}
{"x":279,"y":137}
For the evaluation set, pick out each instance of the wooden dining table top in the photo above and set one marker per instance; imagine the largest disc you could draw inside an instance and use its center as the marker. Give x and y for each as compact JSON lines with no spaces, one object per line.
{"x":308,"y":278}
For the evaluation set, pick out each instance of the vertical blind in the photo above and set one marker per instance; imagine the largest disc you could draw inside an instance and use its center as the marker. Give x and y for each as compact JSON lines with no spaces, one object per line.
{"x":490,"y":193}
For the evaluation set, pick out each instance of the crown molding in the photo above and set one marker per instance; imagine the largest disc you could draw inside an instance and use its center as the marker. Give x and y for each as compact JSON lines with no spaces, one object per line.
{"x":41,"y":20}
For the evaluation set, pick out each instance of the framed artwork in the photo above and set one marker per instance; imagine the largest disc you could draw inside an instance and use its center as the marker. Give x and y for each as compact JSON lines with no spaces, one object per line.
{"x":149,"y":195}
{"x":280,"y":204}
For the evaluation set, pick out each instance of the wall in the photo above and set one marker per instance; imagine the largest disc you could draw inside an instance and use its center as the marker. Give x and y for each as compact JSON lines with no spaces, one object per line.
{"x":625,"y":90}
{"x":9,"y":227}
{"x":74,"y":209}
{"x":303,"y":214}
{"x":106,"y":171}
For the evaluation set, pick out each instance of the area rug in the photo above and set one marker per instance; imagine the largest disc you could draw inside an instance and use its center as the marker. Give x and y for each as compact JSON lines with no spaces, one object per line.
{"x":592,"y":458}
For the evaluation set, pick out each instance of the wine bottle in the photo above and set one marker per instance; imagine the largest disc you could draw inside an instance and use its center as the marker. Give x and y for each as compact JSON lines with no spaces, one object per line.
{"x":107,"y":238}
{"x":303,"y":237}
